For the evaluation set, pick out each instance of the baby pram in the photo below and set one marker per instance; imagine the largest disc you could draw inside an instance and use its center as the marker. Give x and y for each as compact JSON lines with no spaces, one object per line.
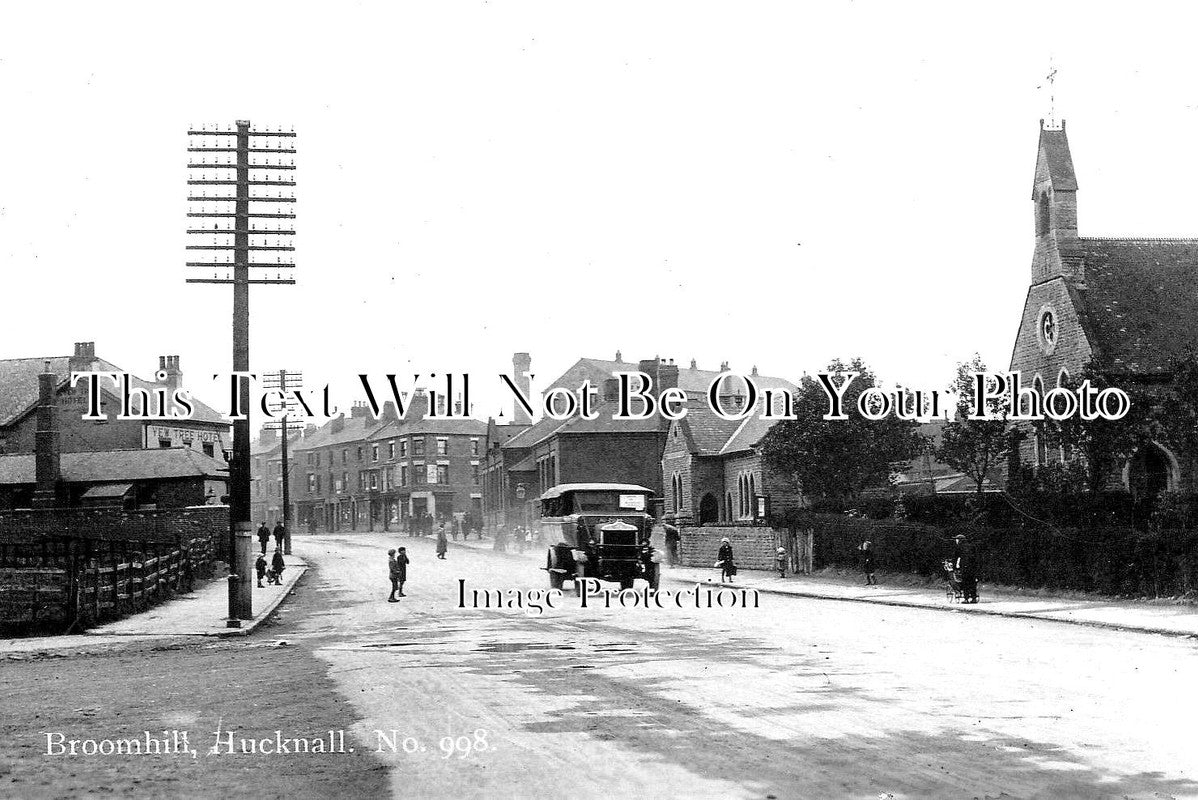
{"x":952,"y":585}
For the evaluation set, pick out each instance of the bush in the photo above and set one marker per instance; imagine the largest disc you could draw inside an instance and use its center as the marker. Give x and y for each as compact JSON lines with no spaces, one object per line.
{"x":1108,"y":559}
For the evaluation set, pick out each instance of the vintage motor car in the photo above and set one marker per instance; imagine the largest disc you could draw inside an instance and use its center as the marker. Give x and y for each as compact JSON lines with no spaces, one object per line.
{"x":601,"y":531}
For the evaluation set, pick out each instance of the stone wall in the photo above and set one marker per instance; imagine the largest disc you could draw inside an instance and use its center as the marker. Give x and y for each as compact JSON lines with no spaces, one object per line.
{"x":752,"y":547}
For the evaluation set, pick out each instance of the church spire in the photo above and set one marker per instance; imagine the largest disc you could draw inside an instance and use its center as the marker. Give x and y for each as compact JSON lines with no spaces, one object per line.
{"x":1054,"y":197}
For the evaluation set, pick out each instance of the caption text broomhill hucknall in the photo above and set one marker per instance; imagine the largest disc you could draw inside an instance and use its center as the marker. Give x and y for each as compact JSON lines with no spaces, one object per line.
{"x":636,"y":398}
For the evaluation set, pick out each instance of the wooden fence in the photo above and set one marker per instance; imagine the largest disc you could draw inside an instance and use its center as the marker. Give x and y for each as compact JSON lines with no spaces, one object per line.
{"x":76,"y":583}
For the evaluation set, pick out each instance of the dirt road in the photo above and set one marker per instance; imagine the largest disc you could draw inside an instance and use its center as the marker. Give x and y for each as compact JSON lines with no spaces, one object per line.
{"x":794,"y":698}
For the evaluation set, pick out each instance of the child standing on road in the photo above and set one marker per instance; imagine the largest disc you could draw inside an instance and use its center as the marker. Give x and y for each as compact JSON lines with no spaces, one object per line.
{"x":401,"y":569}
{"x":276,"y":567}
{"x":780,"y":557}
{"x":260,"y":568}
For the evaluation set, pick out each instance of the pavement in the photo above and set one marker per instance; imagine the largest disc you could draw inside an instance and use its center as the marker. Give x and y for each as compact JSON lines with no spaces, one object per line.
{"x":204,"y":611}
{"x":201,"y":612}
{"x":1146,"y":617}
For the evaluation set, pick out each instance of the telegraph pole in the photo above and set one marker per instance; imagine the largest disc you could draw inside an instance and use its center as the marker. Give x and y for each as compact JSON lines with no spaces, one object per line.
{"x":242,"y":152}
{"x":283,"y":382}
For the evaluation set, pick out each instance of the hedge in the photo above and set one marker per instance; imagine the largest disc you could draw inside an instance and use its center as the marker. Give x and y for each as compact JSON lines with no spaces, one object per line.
{"x":1111,"y":560}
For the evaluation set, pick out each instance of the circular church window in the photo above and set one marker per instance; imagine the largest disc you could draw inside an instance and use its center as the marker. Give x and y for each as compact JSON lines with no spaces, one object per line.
{"x":1048,"y":330}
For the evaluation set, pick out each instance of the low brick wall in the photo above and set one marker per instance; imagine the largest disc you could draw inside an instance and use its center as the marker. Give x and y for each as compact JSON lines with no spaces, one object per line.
{"x":752,"y":547}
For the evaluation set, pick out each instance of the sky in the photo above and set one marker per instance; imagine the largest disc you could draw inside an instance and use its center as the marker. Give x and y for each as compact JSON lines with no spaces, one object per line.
{"x":770,"y":185}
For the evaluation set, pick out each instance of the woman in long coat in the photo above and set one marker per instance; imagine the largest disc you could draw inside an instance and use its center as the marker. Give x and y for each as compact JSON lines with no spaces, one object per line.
{"x":442,"y":542}
{"x":726,"y":561}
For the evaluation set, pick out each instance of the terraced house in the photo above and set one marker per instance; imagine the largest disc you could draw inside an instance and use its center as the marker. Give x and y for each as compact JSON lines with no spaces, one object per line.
{"x":365,"y":474}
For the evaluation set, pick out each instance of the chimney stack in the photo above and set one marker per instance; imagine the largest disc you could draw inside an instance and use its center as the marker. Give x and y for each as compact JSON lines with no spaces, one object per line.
{"x":359,"y":410}
{"x":521,"y":364}
{"x":47,"y":453}
{"x":84,"y":357}
{"x":390,"y":414}
{"x":169,"y":365}
{"x":417,"y":406}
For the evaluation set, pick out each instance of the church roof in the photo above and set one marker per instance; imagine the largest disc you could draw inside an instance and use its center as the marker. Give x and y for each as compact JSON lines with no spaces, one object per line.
{"x":1140,"y":298}
{"x":1054,"y":147}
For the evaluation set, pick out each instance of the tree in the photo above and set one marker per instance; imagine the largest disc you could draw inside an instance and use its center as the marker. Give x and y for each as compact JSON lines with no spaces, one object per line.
{"x":1103,"y":443}
{"x":1175,"y":417}
{"x":837,"y":459}
{"x":974,"y":446}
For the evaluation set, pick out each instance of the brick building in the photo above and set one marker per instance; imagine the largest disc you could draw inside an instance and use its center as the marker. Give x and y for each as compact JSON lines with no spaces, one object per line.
{"x":601,"y":450}
{"x":138,"y":478}
{"x":362,"y":473}
{"x":713,"y":471}
{"x":205,"y":431}
{"x":1126,"y":305}
{"x":266,"y":472}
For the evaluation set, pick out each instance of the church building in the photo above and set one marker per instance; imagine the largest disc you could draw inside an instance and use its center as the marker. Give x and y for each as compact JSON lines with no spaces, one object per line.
{"x":1127,"y":306}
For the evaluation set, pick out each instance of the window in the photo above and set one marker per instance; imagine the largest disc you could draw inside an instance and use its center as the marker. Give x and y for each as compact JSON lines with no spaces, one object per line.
{"x":403,"y":448}
{"x":318,"y":484}
{"x":208,"y":450}
{"x":374,"y":480}
{"x":442,"y":447}
{"x":403,"y":475}
{"x":359,"y":452}
{"x":417,"y":447}
{"x":474,"y":447}
{"x":442,"y":473}
{"x":418,"y":474}
{"x":374,"y":452}
{"x":474,"y":473}
{"x":344,"y":455}
{"x":164,"y":442}
{"x":318,"y":459}
{"x":311,"y":483}
{"x":344,"y":482}
{"x":391,"y":450}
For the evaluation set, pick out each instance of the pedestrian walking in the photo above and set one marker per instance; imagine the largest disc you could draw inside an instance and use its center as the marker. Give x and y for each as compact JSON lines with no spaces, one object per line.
{"x":780,"y":558}
{"x":442,"y":542}
{"x":867,"y":563}
{"x":673,"y":538}
{"x":275,"y":575}
{"x":726,"y":561}
{"x":260,"y":568}
{"x":393,"y":574}
{"x":965,"y":561}
{"x":263,"y":536}
{"x":280,"y":534}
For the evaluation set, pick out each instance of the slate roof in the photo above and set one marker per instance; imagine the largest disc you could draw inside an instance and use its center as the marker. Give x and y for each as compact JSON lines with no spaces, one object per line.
{"x":1140,"y":300}
{"x":443,"y":427}
{"x":708,"y":432}
{"x":19,"y":389}
{"x":117,"y":466}
{"x":1054,"y":144}
{"x":355,"y":429}
{"x":689,"y":380}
